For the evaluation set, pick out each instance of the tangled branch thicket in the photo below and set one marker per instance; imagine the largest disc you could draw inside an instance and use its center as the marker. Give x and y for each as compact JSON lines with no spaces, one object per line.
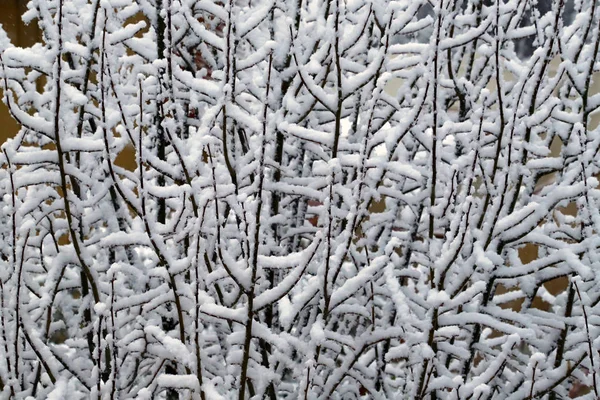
{"x":293,"y":227}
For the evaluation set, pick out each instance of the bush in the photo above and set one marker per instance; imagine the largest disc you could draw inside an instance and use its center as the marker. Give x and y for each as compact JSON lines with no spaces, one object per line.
{"x":330,"y":200}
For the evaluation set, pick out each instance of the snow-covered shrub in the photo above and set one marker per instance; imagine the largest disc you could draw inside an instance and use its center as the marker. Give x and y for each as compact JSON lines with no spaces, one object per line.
{"x":296,"y":228}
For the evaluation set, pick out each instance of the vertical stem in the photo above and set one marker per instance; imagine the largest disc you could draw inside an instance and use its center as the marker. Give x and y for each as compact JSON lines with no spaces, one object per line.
{"x":422,"y":385}
{"x":589,"y":340}
{"x":168,"y":323}
{"x":14,"y":263}
{"x":256,"y":247}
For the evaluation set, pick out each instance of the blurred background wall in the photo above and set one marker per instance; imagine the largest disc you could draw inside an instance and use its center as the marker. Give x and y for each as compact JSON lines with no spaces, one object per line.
{"x":20,"y":35}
